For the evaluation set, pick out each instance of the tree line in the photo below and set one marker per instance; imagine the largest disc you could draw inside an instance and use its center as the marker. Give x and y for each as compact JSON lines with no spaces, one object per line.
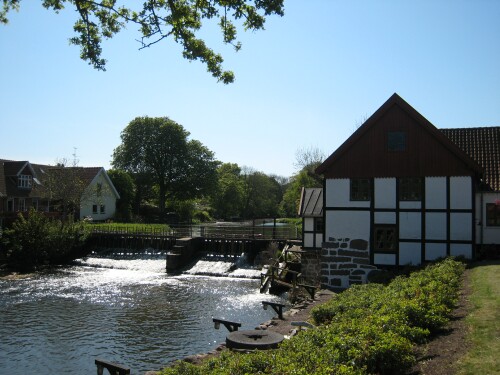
{"x":163,"y":175}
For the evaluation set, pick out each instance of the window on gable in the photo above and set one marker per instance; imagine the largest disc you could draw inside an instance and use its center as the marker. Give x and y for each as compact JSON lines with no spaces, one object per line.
{"x":94,"y":208}
{"x":396,"y":141}
{"x":385,"y":238}
{"x":360,"y":189}
{"x":25,"y":181}
{"x":492,"y":215}
{"x":410,"y":189}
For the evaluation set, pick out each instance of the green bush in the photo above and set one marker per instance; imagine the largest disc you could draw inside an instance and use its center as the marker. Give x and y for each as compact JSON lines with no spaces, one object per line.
{"x":367,"y":329}
{"x":35,"y":240}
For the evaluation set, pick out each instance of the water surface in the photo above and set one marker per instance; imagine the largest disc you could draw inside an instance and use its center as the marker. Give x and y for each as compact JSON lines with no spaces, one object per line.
{"x":127,"y":311}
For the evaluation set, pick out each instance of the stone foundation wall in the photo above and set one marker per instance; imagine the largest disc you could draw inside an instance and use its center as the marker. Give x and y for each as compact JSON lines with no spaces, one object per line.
{"x":345,"y":262}
{"x":311,"y":266}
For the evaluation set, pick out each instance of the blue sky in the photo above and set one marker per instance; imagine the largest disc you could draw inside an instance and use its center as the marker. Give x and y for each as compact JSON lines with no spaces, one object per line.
{"x":307,"y":81}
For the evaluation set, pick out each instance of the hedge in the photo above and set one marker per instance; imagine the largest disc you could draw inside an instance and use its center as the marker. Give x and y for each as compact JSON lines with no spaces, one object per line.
{"x":367,"y":329}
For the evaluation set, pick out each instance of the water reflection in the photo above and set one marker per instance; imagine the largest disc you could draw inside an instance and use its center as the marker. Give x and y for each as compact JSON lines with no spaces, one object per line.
{"x":128,"y":311}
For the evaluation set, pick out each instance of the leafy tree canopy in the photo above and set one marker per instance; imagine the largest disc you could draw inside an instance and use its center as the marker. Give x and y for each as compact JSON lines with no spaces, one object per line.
{"x":156,"y":20}
{"x":262,"y":195}
{"x":159,"y":149}
{"x":228,"y":198}
{"x":125,"y":185}
{"x":307,"y":160}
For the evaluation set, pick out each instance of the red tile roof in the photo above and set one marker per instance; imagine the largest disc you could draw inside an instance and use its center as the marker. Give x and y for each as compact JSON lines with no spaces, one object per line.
{"x":483,"y":146}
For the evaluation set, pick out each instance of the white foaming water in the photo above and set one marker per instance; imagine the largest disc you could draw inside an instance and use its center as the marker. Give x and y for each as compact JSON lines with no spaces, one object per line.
{"x":214,"y":266}
{"x":144,"y":265}
{"x":125,"y":310}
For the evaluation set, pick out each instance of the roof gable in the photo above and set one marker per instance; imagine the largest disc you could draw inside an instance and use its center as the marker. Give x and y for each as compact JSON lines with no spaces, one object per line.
{"x":10,"y":170}
{"x":365,"y":153}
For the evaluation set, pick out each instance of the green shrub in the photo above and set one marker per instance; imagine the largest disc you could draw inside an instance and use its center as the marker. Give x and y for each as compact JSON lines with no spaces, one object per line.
{"x":36,"y":240}
{"x":367,"y":329}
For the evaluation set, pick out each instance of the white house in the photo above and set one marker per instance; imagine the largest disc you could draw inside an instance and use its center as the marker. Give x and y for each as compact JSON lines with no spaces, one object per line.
{"x":399,"y":191}
{"x":24,"y":185}
{"x":99,"y":198}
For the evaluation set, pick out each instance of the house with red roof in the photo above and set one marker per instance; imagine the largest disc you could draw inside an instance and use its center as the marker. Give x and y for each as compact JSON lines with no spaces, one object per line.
{"x":399,"y":191}
{"x":25,"y":185}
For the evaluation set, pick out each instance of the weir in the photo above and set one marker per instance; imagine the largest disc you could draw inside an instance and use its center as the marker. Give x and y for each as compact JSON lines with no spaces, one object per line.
{"x":184,"y":245}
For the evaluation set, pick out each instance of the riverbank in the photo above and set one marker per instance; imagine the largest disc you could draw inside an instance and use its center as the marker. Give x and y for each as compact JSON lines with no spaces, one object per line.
{"x":446,"y":349}
{"x":299,"y":312}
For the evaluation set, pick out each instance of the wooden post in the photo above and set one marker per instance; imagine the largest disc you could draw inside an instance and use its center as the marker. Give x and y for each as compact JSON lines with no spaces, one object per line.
{"x":278,"y":307}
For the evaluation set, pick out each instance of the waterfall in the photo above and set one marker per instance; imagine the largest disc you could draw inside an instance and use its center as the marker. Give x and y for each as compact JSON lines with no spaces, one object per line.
{"x":221,"y":266}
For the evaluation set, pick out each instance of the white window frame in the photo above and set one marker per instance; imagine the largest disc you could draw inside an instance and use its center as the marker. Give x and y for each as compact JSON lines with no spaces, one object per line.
{"x":25,"y":181}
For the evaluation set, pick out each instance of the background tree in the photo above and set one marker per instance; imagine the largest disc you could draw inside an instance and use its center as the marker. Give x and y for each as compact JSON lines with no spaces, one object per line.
{"x":227,"y":200}
{"x":262,"y":195}
{"x":158,"y":148}
{"x":179,"y":20}
{"x":65,"y":188}
{"x":125,"y":185}
{"x":307,"y":160}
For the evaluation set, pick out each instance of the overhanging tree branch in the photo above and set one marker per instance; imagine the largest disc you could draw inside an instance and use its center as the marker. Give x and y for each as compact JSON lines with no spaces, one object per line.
{"x":159,"y":20}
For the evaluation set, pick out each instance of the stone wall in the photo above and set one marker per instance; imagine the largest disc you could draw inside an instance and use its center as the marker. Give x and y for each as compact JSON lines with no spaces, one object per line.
{"x":345,"y":262}
{"x":311,"y":266}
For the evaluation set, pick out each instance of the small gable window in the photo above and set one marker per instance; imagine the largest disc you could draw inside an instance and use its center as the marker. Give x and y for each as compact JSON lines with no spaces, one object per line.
{"x":396,"y":141}
{"x":492,"y":215}
{"x":360,"y":189}
{"x":410,"y":189}
{"x":25,"y":181}
{"x":94,"y":208}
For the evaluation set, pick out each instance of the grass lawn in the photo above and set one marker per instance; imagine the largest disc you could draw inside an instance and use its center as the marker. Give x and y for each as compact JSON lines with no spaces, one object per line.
{"x":484,"y":321}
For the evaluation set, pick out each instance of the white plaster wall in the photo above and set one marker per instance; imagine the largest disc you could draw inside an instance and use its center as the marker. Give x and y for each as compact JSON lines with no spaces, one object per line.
{"x":435,"y":192}
{"x":488,"y":235}
{"x":308,"y":240}
{"x":410,"y":253}
{"x":461,"y":193}
{"x":434,"y":251}
{"x":319,"y":239}
{"x":384,"y":259}
{"x":347,"y":224}
{"x":308,"y":224}
{"x":435,"y":226}
{"x":457,"y":249}
{"x":338,"y":194}
{"x":108,"y":199}
{"x":410,"y":225}
{"x":385,"y":218}
{"x":460,"y":226}
{"x":410,"y":204}
{"x":385,"y":192}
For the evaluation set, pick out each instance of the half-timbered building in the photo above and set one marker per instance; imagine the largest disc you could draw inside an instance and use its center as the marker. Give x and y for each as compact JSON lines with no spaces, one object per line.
{"x":400,"y":191}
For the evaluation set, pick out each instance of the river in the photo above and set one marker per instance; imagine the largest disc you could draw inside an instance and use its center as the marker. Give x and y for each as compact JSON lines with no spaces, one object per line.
{"x":127,"y":311}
